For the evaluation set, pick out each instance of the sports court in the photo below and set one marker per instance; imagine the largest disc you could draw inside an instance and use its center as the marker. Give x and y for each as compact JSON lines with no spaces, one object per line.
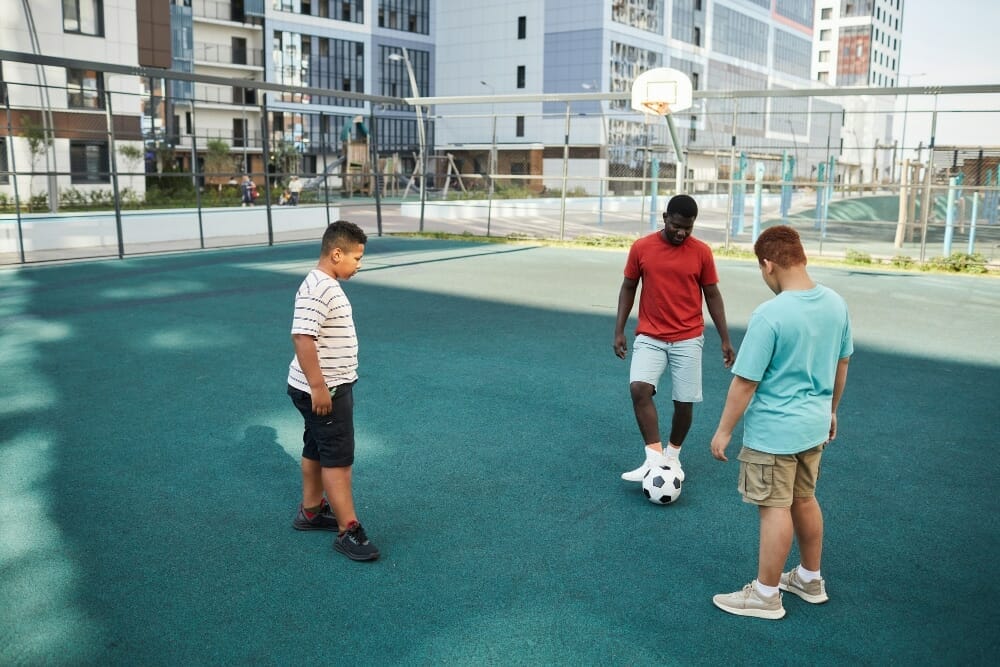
{"x":149,"y":471}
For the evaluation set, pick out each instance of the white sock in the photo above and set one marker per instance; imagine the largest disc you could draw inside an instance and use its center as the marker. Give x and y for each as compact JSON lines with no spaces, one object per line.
{"x":765,"y":591}
{"x":807,"y":575}
{"x":672,"y":453}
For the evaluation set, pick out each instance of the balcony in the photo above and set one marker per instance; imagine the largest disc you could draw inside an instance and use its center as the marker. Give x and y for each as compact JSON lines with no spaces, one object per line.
{"x":218,"y":10}
{"x":225,"y":54}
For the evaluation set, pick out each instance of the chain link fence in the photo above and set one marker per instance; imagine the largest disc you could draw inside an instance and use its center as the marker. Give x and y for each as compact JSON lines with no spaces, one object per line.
{"x":113,"y":164}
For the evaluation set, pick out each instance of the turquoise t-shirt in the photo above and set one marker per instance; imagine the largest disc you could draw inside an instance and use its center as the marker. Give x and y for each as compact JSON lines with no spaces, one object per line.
{"x":792,"y":345}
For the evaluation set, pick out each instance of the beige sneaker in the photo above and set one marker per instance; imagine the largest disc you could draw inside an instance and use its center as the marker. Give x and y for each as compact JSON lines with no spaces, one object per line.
{"x":748,"y":602}
{"x":813,"y":591}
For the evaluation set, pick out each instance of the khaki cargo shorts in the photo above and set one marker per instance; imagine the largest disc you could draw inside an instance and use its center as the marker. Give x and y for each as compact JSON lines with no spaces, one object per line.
{"x":772,"y":480}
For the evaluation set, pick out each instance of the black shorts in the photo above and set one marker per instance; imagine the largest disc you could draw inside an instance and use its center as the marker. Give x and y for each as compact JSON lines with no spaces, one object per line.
{"x":328,"y":439}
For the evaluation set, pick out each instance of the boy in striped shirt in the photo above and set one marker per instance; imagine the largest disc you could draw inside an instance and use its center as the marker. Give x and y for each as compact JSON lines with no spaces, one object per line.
{"x":321,"y":378}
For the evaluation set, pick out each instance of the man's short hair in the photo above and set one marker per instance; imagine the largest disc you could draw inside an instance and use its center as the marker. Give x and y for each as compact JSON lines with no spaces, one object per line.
{"x":682,"y":205}
{"x":780,"y":244}
{"x":344,"y":235}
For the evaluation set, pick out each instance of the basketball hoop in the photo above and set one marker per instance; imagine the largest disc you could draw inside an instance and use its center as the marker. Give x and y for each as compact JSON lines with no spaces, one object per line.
{"x":658,"y":107}
{"x":661,"y":91}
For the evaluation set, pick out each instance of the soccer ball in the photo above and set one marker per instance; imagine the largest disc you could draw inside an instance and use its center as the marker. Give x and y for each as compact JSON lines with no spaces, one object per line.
{"x":661,"y":485}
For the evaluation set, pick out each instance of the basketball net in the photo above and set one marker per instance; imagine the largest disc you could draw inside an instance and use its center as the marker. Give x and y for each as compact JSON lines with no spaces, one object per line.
{"x":658,"y":107}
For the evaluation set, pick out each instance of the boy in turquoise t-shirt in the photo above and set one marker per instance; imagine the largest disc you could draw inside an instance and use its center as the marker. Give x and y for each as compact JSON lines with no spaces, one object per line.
{"x":789,"y":376}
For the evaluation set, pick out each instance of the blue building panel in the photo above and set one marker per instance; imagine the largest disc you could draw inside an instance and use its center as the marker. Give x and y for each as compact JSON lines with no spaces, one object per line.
{"x":572,"y":59}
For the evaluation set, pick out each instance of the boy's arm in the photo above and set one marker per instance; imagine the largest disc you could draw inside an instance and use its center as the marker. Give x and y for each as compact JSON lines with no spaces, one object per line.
{"x":305,"y":351}
{"x":717,"y":311}
{"x":741,"y":390}
{"x":839,"y":382}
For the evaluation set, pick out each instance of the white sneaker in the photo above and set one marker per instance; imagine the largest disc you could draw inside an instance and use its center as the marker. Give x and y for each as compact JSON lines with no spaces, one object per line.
{"x":653,"y":458}
{"x":675,"y":465}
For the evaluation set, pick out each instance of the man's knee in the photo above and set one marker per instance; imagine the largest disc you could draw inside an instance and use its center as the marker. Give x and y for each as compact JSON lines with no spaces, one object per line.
{"x":682,"y":409}
{"x":641,"y":391}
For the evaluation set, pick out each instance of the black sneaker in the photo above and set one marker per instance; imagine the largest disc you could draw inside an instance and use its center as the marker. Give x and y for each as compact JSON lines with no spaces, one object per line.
{"x":354,"y":544}
{"x":322,"y":520}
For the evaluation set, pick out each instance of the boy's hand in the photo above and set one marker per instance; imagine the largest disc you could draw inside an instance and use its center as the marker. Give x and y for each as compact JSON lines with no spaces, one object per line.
{"x":719,"y":443}
{"x":322,"y":402}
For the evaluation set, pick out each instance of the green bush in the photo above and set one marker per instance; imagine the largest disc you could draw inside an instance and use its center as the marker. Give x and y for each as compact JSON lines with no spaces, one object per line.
{"x":902,"y":262}
{"x":39,"y":202}
{"x":957,"y":262}
{"x":857,"y":257}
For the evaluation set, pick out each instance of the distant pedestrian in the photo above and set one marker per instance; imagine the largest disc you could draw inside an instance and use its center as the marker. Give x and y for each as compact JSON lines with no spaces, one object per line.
{"x":248,"y":190}
{"x":294,"y":189}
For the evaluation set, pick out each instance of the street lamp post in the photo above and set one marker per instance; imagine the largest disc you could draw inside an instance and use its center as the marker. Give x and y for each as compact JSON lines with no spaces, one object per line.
{"x":906,"y":108}
{"x":422,"y":139}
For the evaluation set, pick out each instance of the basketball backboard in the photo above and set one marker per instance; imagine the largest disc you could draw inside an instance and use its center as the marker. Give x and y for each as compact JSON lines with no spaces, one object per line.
{"x":661,"y":91}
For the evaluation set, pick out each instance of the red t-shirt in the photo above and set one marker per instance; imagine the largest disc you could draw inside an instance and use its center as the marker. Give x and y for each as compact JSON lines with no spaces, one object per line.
{"x":670,"y":303}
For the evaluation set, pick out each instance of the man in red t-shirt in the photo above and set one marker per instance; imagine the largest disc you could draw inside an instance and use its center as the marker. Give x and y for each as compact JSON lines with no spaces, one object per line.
{"x":676,"y":269}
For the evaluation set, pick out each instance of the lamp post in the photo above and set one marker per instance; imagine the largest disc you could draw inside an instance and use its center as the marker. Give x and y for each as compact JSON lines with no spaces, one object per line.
{"x":422,"y":139}
{"x":906,"y":107}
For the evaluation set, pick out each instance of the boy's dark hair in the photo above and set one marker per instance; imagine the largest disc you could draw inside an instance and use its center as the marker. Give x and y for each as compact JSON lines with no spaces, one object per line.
{"x":780,"y":244}
{"x":344,"y":235}
{"x":682,"y":205}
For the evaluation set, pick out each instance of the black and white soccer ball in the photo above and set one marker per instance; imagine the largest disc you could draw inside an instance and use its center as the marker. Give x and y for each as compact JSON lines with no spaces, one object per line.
{"x":661,"y":485}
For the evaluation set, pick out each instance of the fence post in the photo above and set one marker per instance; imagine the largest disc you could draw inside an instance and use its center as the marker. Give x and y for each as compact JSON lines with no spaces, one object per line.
{"x":13,"y":168}
{"x":654,"y":178}
{"x":904,"y":179}
{"x":949,"y":218}
{"x":758,"y":200}
{"x":972,"y":223}
{"x":266,"y":156}
{"x":565,"y":175}
{"x":109,"y":115}
{"x":194,"y":174}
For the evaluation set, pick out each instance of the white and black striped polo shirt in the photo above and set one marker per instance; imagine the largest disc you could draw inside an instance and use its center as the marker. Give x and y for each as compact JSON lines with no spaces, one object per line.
{"x":323,"y":311}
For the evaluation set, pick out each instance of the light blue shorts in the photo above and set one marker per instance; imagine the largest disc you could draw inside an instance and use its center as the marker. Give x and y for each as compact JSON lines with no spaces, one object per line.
{"x":650,"y":357}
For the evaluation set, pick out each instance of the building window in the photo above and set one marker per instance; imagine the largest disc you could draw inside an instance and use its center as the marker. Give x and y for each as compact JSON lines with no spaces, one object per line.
{"x":694,"y":80}
{"x":85,"y":89}
{"x":408,"y":15}
{"x":824,"y":56}
{"x":519,"y":126}
{"x":522,"y":27}
{"x":697,"y":36}
{"x":520,"y":76}
{"x":823,"y":77}
{"x":88,"y":162}
{"x":84,"y":17}
{"x":826,"y":13}
{"x":824,"y":35}
{"x":239,"y":47}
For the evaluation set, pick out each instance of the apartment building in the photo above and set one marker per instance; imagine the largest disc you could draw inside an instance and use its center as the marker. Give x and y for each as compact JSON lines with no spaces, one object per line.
{"x":858,"y":43}
{"x":59,"y":115}
{"x":574,"y":46}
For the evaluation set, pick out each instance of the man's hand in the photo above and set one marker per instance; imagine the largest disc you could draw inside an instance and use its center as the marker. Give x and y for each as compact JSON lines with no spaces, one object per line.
{"x":719,"y":443}
{"x":833,"y":427}
{"x":620,"y":345}
{"x":728,"y":354}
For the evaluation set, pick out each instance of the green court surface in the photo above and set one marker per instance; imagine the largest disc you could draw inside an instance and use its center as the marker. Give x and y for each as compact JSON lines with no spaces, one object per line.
{"x":149,"y":472}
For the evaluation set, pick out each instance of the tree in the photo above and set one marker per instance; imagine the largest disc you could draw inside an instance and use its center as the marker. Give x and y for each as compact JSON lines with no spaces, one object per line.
{"x":38,"y":143}
{"x":133,"y":157}
{"x":286,"y":158}
{"x":219,"y":161}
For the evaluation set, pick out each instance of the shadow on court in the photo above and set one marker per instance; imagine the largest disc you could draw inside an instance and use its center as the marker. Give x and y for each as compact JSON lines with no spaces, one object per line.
{"x":149,"y":472}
